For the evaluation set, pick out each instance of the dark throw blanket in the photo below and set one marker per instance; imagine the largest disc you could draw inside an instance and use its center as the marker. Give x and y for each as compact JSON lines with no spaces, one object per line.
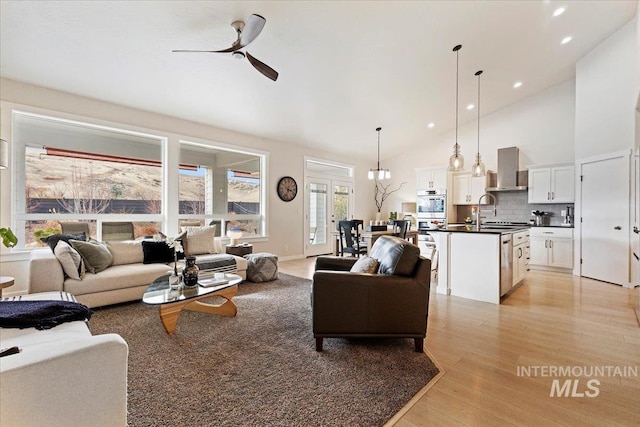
{"x":41,"y":314}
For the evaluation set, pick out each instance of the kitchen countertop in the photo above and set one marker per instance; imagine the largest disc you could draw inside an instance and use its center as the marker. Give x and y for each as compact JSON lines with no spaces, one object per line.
{"x":463,"y":228}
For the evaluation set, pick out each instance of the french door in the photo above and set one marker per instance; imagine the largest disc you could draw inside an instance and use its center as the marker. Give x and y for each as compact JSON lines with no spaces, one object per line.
{"x":327,"y":201}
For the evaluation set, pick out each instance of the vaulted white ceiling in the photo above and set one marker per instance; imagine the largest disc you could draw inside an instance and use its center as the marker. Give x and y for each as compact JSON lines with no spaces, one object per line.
{"x":346,"y":67}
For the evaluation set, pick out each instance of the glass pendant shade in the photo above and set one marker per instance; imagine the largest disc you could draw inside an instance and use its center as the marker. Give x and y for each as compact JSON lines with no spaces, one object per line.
{"x":456,"y":161}
{"x":478,"y":168}
{"x":370,"y":174}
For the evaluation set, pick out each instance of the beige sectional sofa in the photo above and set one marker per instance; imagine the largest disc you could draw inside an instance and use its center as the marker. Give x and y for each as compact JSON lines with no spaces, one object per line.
{"x":125,"y":280}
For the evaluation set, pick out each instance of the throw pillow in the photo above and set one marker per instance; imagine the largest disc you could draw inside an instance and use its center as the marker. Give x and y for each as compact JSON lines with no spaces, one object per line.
{"x":126,"y":252}
{"x":53,"y":240}
{"x":156,"y":252}
{"x":365,"y":265}
{"x":96,"y":255}
{"x":70,"y":260}
{"x":200,"y":240}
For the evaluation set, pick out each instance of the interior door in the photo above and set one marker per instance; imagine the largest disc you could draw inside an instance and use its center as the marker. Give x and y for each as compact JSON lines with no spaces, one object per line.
{"x":604,"y":228}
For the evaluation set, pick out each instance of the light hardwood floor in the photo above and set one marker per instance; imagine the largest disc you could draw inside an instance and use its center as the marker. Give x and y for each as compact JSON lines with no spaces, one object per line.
{"x":552,"y":320}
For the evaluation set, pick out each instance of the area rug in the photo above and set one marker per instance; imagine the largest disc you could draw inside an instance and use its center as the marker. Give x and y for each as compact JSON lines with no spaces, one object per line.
{"x":260,"y":368}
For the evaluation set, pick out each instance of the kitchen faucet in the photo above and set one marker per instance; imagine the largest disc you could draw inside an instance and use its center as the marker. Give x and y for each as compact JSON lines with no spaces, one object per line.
{"x":480,"y":201}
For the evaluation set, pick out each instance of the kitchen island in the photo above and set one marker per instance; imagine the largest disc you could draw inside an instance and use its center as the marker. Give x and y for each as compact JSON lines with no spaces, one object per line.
{"x":480,"y":265}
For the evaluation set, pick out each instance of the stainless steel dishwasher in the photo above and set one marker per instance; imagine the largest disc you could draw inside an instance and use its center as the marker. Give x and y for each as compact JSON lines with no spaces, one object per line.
{"x":506,"y":263}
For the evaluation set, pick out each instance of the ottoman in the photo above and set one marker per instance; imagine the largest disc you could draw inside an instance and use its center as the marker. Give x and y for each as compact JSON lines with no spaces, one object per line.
{"x":262,"y":267}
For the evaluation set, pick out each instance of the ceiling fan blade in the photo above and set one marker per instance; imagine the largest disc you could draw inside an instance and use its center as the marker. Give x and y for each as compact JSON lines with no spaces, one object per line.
{"x":196,"y":51}
{"x":252,"y":29}
{"x":262,"y":67}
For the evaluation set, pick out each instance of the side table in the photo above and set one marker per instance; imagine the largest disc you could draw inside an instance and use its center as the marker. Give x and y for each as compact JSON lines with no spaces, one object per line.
{"x":239,"y":250}
{"x":5,"y":282}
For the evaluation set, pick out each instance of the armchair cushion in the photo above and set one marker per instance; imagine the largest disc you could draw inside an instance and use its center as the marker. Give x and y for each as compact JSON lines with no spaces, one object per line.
{"x":396,"y":256}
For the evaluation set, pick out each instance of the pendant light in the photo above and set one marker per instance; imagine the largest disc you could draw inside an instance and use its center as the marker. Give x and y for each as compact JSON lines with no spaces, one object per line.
{"x":478,"y":167}
{"x":379,"y":173}
{"x":456,"y":162}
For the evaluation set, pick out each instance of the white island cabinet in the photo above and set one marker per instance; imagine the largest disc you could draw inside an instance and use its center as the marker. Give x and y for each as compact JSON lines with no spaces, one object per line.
{"x":474,"y":266}
{"x":479,"y":265}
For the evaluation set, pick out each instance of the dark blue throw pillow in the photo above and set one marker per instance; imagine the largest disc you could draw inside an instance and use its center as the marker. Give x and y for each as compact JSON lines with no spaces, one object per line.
{"x":53,"y":240}
{"x":156,"y":252}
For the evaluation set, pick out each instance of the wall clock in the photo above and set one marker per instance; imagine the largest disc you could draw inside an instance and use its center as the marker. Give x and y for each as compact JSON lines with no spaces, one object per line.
{"x":287,"y":188}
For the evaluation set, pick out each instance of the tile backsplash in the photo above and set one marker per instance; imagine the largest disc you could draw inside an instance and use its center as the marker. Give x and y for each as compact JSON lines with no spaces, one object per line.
{"x":514,"y":206}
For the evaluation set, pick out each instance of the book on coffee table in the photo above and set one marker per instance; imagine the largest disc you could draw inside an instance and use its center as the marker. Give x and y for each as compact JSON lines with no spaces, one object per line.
{"x":207,"y":283}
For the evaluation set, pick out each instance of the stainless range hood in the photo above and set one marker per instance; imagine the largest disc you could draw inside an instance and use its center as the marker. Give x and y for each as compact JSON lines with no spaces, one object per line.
{"x":508,"y":177}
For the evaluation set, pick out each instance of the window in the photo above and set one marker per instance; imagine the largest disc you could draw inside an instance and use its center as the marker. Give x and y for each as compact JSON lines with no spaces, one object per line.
{"x":88,"y":176}
{"x":223,"y":187}
{"x":70,"y":172}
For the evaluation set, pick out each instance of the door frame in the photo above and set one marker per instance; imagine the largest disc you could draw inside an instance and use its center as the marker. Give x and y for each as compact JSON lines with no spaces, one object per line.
{"x":577,"y":231}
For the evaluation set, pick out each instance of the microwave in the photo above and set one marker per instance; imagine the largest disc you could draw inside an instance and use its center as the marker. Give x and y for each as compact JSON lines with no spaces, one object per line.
{"x":431,"y":204}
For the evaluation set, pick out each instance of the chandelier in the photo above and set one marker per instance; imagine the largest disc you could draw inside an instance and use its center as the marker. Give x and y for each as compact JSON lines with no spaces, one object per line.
{"x":378,"y":172}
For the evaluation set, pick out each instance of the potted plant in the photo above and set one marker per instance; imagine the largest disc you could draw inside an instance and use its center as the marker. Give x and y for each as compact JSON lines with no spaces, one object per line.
{"x":380,"y":194}
{"x":8,"y":238}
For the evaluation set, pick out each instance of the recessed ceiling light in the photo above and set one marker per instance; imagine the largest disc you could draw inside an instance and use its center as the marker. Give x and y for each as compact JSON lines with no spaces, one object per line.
{"x":567,"y":39}
{"x":430,"y":125}
{"x":470,"y":107}
{"x":516,"y":85}
{"x":559,"y":11}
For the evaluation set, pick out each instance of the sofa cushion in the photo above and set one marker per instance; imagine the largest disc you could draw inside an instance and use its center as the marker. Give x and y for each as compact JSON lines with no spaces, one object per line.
{"x":365,"y":264}
{"x":53,"y":240}
{"x":200,"y":240}
{"x":70,"y":260}
{"x":395,"y":255}
{"x":126,"y":252}
{"x":96,"y":255}
{"x":155,"y":252}
{"x":117,"y":277}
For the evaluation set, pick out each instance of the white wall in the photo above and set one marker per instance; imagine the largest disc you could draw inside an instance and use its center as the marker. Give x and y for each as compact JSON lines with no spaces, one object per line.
{"x":542,"y":126}
{"x":606,"y":95}
{"x":285,"y":219}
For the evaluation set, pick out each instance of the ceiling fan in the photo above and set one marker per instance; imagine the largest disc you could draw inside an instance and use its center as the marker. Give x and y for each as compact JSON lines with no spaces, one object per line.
{"x":246,"y":33}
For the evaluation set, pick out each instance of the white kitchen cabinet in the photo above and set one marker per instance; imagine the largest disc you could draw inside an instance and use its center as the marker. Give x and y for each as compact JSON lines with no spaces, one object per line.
{"x":551,"y":184}
{"x":431,"y":178}
{"x":551,"y":247}
{"x":520,"y":255}
{"x":467,"y":189}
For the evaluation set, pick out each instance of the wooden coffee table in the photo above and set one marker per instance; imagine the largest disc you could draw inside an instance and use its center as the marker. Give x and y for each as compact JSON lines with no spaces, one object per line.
{"x":172,"y":302}
{"x":5,"y":282}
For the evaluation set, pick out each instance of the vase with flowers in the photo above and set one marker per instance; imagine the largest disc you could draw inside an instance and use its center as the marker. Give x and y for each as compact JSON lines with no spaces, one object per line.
{"x":175,"y":279}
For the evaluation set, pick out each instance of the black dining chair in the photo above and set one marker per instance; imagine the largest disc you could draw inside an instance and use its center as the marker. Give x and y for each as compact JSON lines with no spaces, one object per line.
{"x":400,"y":228}
{"x":350,"y":239}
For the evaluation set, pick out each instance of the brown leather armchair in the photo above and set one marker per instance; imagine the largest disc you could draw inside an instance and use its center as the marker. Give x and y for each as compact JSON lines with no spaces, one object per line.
{"x":392,"y":303}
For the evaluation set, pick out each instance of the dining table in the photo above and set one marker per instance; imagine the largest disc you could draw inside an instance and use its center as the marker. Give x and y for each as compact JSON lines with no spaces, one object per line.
{"x":370,"y":237}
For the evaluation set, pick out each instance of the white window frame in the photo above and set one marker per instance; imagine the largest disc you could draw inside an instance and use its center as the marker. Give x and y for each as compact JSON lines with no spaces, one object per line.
{"x":168,"y":218}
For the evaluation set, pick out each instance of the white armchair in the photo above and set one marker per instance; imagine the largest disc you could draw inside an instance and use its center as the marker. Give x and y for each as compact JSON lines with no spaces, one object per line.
{"x":63,"y":376}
